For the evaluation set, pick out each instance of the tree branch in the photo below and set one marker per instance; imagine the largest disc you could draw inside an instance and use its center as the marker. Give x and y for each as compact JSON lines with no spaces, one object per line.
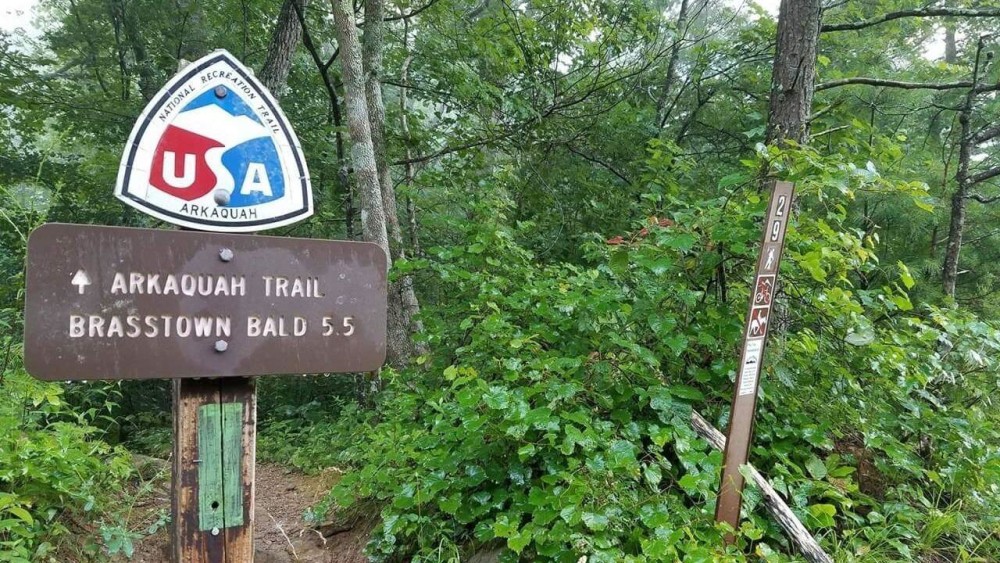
{"x":983,"y":199}
{"x":986,"y":134}
{"x":455,"y":148}
{"x":411,"y":13}
{"x":982,"y":177}
{"x":927,"y":12}
{"x":800,"y":536}
{"x":893,"y":84}
{"x":599,"y":162}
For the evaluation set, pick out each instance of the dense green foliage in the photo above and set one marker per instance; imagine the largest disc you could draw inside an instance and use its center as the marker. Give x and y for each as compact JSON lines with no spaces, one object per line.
{"x":581,"y":219}
{"x":559,"y":424}
{"x":54,"y":464}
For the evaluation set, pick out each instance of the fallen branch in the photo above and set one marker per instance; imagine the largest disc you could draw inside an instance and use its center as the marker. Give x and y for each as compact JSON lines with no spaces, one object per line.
{"x":773,"y":502}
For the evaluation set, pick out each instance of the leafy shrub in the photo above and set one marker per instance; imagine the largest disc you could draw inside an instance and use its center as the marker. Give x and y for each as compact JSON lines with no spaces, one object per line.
{"x":53,"y":463}
{"x":553,"y":415}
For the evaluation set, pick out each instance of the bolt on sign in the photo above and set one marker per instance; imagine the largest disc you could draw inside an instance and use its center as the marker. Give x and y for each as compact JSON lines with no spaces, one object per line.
{"x":744,"y":404}
{"x":213,"y":151}
{"x":118,"y":303}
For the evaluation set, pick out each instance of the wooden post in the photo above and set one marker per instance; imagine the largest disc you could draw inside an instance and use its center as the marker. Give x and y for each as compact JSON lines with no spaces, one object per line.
{"x":741,"y":418}
{"x":215,"y":428}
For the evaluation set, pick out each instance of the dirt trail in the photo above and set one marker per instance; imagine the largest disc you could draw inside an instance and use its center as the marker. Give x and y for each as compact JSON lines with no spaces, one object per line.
{"x":280,"y":534}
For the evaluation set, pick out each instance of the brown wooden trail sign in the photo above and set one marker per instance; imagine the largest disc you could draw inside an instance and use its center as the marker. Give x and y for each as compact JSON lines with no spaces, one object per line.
{"x":119,"y":303}
{"x":741,"y":419}
{"x":211,"y":151}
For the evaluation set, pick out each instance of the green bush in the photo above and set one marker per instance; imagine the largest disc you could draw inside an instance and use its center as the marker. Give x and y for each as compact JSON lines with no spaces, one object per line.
{"x":53,"y":463}
{"x":553,"y":416}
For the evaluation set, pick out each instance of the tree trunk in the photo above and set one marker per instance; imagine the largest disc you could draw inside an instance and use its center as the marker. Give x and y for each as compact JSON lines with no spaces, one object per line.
{"x":950,"y":46}
{"x":133,"y":38}
{"x":793,"y":76}
{"x":404,"y":123}
{"x":955,"y":231}
{"x":343,"y":169}
{"x":373,"y":228}
{"x":960,"y":199}
{"x":675,"y":50}
{"x":192,"y":31}
{"x":403,"y":304}
{"x":284,"y":40}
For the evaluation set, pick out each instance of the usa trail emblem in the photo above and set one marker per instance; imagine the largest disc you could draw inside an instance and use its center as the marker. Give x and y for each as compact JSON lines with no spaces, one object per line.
{"x":213,"y":151}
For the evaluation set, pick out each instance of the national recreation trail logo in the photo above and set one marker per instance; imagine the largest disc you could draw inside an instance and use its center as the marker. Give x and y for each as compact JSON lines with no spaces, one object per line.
{"x":213,"y":151}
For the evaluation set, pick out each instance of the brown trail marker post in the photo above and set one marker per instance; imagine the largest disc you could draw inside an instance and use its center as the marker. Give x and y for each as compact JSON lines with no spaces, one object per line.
{"x":741,"y":418}
{"x":211,"y":152}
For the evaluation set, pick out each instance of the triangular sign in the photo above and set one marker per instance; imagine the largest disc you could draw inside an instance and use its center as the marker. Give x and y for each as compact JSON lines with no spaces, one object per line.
{"x":213,"y":151}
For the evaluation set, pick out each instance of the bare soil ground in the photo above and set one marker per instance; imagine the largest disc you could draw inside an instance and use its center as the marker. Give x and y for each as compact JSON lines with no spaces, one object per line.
{"x":280,"y":533}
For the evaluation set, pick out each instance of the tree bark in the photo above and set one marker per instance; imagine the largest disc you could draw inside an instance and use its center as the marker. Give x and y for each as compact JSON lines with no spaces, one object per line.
{"x":284,"y":40}
{"x":343,"y":175}
{"x":404,"y":79}
{"x":960,"y":199}
{"x":373,"y":224}
{"x":403,"y":304}
{"x":950,"y":45}
{"x":133,"y":38}
{"x":373,"y":227}
{"x":675,"y":51}
{"x":926,"y":12}
{"x":793,"y":76}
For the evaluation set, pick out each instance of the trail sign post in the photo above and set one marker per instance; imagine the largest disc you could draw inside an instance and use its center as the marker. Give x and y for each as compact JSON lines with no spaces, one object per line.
{"x":214,"y":152}
{"x":741,"y":418}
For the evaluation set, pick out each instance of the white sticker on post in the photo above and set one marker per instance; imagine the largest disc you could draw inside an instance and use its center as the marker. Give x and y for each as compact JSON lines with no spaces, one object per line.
{"x":751,"y":366}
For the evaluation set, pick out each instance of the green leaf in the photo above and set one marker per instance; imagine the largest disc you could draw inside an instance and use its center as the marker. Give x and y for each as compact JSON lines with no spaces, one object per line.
{"x":450,"y":504}
{"x":904,"y":275}
{"x":517,"y":542}
{"x":861,"y":338}
{"x":22,"y":514}
{"x":653,"y":475}
{"x":503,"y":527}
{"x":619,"y":262}
{"x":816,"y":467}
{"x":823,"y":513}
{"x":595,"y":522}
{"x":689,"y":483}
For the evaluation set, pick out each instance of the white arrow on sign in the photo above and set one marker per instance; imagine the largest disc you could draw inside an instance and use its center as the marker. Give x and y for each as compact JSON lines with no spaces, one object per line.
{"x":81,"y":280}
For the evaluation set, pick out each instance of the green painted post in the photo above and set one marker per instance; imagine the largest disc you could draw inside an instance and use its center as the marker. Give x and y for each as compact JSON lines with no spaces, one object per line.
{"x":220,"y":476}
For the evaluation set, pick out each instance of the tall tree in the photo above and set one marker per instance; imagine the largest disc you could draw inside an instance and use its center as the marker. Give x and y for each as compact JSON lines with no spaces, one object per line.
{"x":794,"y":72}
{"x":965,"y":178}
{"x":373,"y":225}
{"x":403,"y":304}
{"x":284,"y":40}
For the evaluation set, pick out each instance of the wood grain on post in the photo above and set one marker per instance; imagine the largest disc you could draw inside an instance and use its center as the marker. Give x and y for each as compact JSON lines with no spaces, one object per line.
{"x":212,"y":503}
